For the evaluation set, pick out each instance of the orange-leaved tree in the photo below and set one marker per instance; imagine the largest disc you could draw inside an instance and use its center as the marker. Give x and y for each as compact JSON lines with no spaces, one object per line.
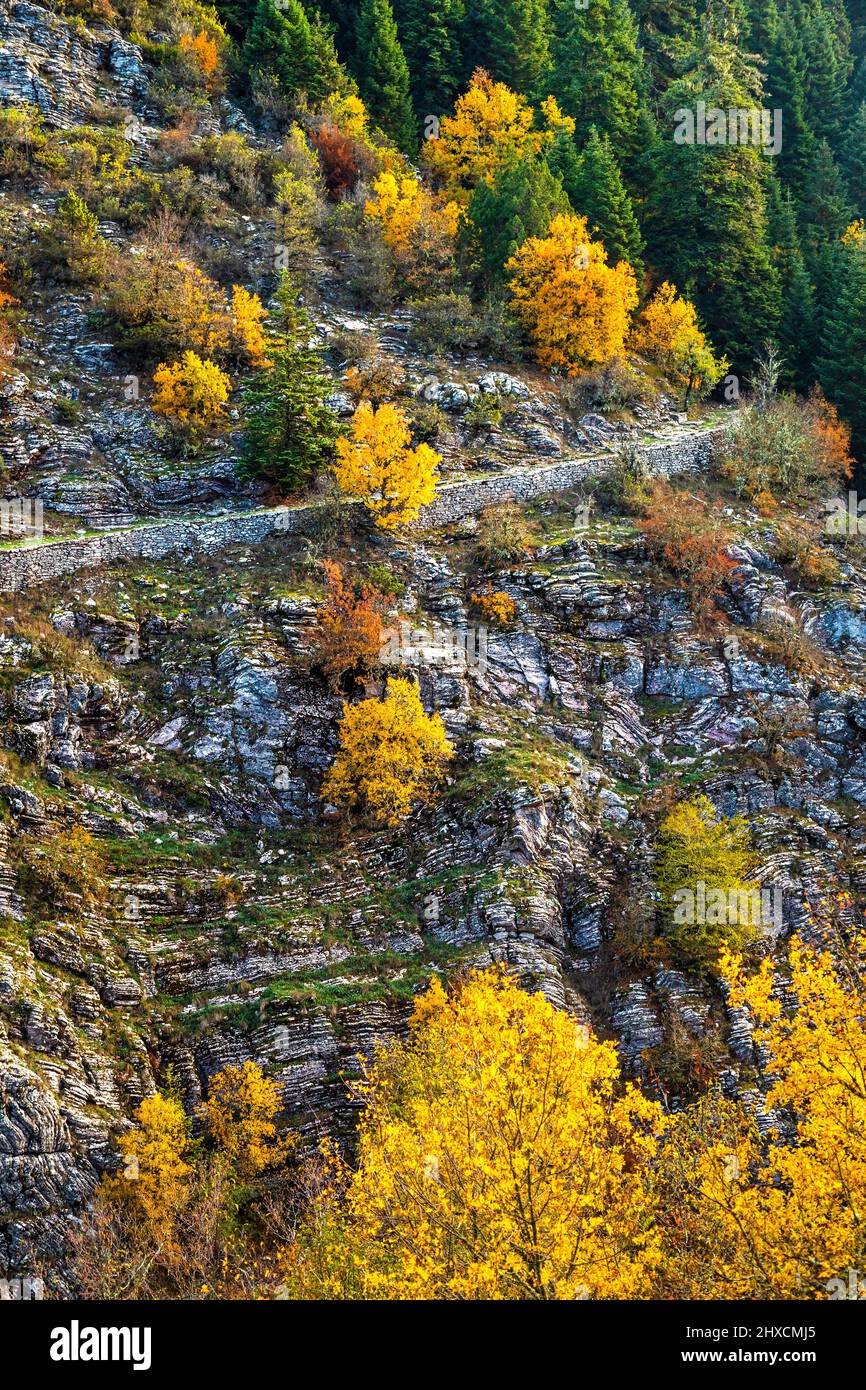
{"x":202,"y":53}
{"x":575,"y":307}
{"x":348,"y":636}
{"x":378,"y":464}
{"x":691,"y":538}
{"x":392,"y":755}
{"x":499,"y":1156}
{"x":7,"y":331}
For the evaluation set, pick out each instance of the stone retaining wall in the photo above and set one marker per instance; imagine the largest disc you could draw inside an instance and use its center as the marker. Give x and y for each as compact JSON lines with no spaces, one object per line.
{"x":24,"y":566}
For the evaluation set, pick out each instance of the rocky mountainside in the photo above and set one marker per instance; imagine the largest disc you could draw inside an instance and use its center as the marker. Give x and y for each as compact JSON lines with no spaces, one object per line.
{"x":170,"y":708}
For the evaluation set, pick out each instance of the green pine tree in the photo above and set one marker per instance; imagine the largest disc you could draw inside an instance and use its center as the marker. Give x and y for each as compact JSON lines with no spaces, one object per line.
{"x":284,"y":44}
{"x":597,"y":74}
{"x":511,"y":40}
{"x":596,"y":190}
{"x":776,"y":36}
{"x":431,"y":33}
{"x":826,"y":44}
{"x":797,"y":333}
{"x":852,"y":159}
{"x":521,"y":202}
{"x":856,"y":10}
{"x":707,"y":216}
{"x":668,"y":29}
{"x":342,"y":17}
{"x":842,"y":367}
{"x":289,"y":430}
{"x":825,"y":209}
{"x":383,"y":73}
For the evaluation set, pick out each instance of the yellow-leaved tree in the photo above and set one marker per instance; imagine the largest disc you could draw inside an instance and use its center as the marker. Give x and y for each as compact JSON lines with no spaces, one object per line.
{"x":240,"y":1113}
{"x":190,"y":392}
{"x":391,"y":757}
{"x":401,"y":203}
{"x":491,"y":125}
{"x":155,"y":1173}
{"x":178,"y":1219}
{"x":575,"y":307}
{"x":668,"y":330}
{"x":705,"y":877}
{"x":378,"y":464}
{"x":248,"y":314}
{"x":782,"y":1216}
{"x":499,"y":1156}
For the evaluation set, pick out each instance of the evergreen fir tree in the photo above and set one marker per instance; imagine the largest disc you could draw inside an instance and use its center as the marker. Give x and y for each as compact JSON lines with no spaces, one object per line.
{"x":842,"y":368}
{"x":775,"y":35}
{"x":828,"y":64}
{"x":596,"y":190}
{"x":856,"y":11}
{"x":300,"y":55}
{"x":431,"y":33}
{"x":668,"y":29}
{"x":289,"y":430}
{"x":797,"y":334}
{"x":852,"y":159}
{"x":236,"y":15}
{"x":511,"y":40}
{"x":597,"y":70}
{"x":707,"y":217}
{"x":522,"y":201}
{"x":825,"y":209}
{"x":383,"y":73}
{"x":342,"y":17}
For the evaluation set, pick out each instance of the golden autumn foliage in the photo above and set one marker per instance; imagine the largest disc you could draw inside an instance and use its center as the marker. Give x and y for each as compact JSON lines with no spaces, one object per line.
{"x":402,"y":205}
{"x":698,"y":846}
{"x":240,"y":1113}
{"x":179,"y":1219}
{"x":155,"y":1172}
{"x":248,"y":314}
{"x":392,"y":755}
{"x":163,"y":301}
{"x":499,"y":1156}
{"x":191,"y":392}
{"x":348,"y":635}
{"x":575,"y":307}
{"x":378,"y":465}
{"x":782,"y":1217}
{"x":491,"y":125}
{"x":202,"y":52}
{"x":855,"y":235}
{"x":668,"y":330}
{"x":496,"y":606}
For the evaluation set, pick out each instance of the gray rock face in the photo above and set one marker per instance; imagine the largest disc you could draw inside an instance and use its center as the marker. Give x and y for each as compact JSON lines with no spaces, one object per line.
{"x":53,"y":64}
